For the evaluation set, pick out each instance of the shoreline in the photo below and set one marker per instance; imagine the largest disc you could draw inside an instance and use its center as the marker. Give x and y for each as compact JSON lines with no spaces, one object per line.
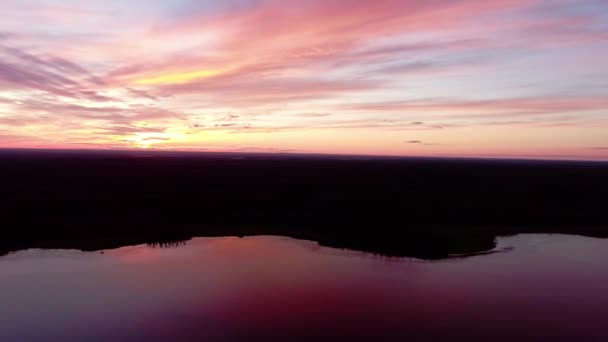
{"x":433,"y":244}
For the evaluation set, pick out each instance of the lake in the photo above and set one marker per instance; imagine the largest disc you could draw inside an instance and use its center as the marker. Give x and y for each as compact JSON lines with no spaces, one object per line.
{"x":533,"y":287}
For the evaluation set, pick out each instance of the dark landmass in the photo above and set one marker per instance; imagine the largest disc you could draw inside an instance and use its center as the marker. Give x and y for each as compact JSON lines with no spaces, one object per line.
{"x":421,"y":207}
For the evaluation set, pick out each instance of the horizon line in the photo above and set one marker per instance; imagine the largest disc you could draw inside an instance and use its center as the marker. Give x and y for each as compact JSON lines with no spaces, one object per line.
{"x":317,"y":154}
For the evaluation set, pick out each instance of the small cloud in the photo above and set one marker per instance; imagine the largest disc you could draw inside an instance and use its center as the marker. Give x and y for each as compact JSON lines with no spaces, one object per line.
{"x":420,"y":142}
{"x":313,"y":115}
{"x":600,"y":148}
{"x":417,"y":123}
{"x":229,"y":117}
{"x":5,"y":35}
{"x":141,"y":93}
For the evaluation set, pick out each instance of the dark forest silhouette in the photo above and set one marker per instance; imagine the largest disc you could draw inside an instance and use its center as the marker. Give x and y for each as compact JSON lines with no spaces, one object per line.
{"x":422,"y":207}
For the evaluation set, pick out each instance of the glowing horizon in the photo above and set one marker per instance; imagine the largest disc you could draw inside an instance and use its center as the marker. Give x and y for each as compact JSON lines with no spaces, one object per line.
{"x":506,"y":78}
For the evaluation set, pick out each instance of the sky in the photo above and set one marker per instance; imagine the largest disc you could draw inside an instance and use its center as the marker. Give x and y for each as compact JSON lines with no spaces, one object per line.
{"x":501,"y":78}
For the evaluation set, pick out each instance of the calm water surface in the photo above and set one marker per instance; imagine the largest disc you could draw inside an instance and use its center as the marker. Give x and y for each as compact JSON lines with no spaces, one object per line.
{"x":541,"y":287}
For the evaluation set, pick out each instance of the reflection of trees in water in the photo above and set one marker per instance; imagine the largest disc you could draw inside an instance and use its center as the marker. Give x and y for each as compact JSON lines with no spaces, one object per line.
{"x":167,"y":244}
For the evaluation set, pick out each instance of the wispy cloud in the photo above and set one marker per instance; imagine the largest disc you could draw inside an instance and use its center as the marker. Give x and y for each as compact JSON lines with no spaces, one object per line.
{"x":316,"y":75}
{"x":511,"y":107}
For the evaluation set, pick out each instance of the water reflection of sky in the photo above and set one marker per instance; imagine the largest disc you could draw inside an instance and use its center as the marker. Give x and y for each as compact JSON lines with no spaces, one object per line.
{"x":547,"y":287}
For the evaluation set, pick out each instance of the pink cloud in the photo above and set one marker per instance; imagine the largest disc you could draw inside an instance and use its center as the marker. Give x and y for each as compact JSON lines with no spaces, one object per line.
{"x":315,"y":66}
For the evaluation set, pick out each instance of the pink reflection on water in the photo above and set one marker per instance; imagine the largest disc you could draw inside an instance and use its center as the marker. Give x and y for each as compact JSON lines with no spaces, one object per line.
{"x":546,"y":288}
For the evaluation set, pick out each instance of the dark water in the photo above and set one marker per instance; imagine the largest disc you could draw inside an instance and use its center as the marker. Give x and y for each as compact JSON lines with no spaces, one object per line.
{"x":539,"y":287}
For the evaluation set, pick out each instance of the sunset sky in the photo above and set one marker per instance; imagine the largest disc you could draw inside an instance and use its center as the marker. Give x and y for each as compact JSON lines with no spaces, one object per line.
{"x":500,"y":78}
